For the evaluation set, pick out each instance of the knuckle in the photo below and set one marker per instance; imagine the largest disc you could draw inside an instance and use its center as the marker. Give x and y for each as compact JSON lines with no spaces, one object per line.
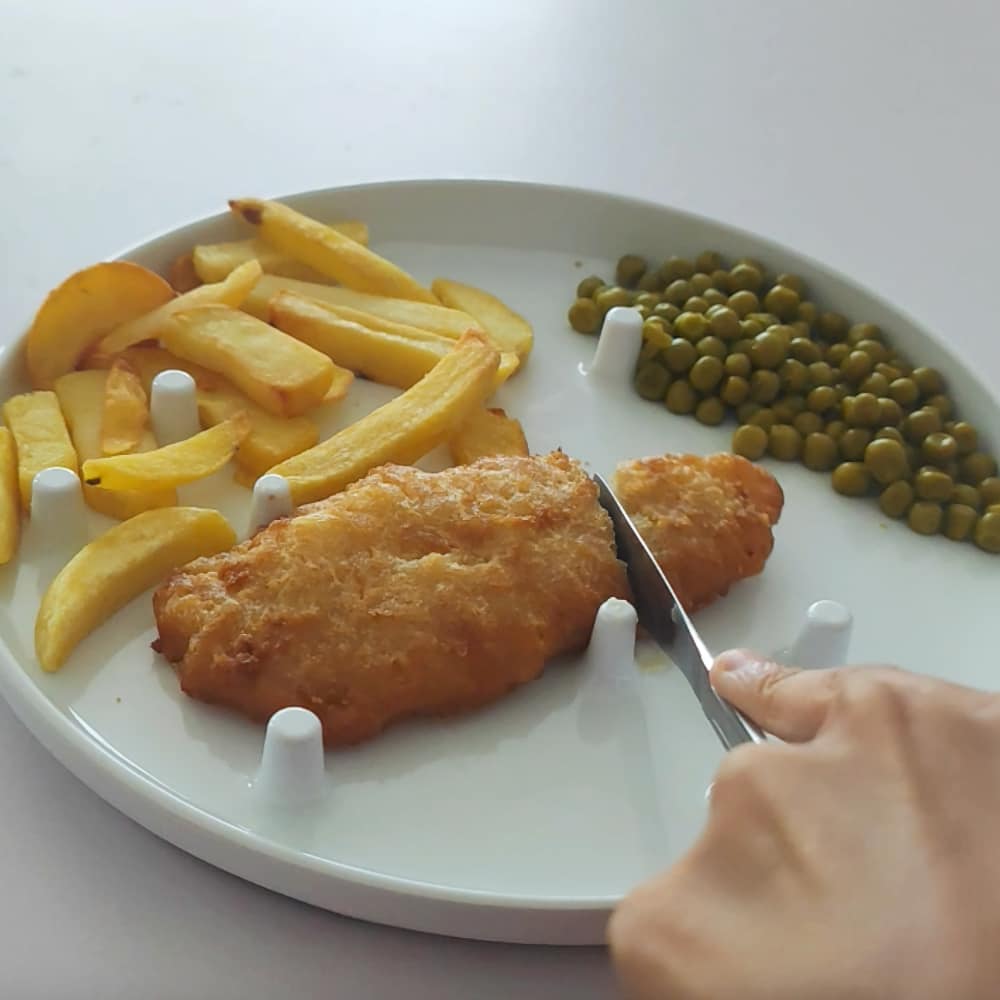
{"x":740,"y":777}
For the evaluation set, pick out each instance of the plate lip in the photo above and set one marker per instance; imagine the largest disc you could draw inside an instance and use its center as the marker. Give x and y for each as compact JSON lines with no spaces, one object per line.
{"x":138,"y":795}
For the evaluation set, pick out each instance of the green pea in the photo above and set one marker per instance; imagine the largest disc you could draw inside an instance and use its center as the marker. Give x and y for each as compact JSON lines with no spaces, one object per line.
{"x":965,"y":434}
{"x":932,"y":484}
{"x":767,"y":350}
{"x":647,"y":352}
{"x":942,"y":404}
{"x":676,"y":268}
{"x":875,"y":349}
{"x":886,"y":461}
{"x":989,"y":489}
{"x":708,"y":260}
{"x":711,"y":412}
{"x":805,"y":350}
{"x":720,"y":280}
{"x":920,"y":423}
{"x":850,"y":479}
{"x":745,"y":277}
{"x":977,"y":466}
{"x":738,"y":364}
{"x":646,"y":299}
{"x":862,"y":410}
{"x":807,"y":312}
{"x":630,"y":269}
{"x":863,"y":331}
{"x":741,"y":346}
{"x":680,"y":355}
{"x":750,"y":441}
{"x":889,"y":434}
{"x":890,"y":412}
{"x":743,"y":303}
{"x":877,"y":385}
{"x":891,"y":372}
{"x":925,"y":517}
{"x":856,"y":366}
{"x":667,"y":311}
{"x":987,"y":531}
{"x":784,"y":442}
{"x":939,"y":448}
{"x":749,"y":328}
{"x":807,"y":423}
{"x":794,"y":376}
{"x":832,"y":326}
{"x":764,"y":417}
{"x":968,"y":496}
{"x":822,"y":373}
{"x":782,"y":301}
{"x":612,"y":297}
{"x":788,"y":407}
{"x":904,"y":391}
{"x":588,"y":286}
{"x":700,"y":282}
{"x":714,"y":297}
{"x":696,"y":304}
{"x":584,"y":316}
{"x":853,"y":442}
{"x":711,"y":347}
{"x":896,"y":498}
{"x":651,"y":282}
{"x":706,"y":373}
{"x":929,"y":381}
{"x":836,"y":354}
{"x":658,"y":331}
{"x":822,"y":399}
{"x":959,"y":521}
{"x":819,"y":452}
{"x":691,"y":326}
{"x":677,"y":291}
{"x":835,"y":429}
{"x":681,"y":398}
{"x":652,"y":380}
{"x":745,"y":412}
{"x":766,"y":319}
{"x":792,"y":281}
{"x":764,"y":386}
{"x":725,"y":324}
{"x":784,"y":331}
{"x":735,"y":390}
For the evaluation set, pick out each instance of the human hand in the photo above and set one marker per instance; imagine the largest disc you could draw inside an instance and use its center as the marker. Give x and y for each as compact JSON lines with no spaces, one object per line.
{"x":860,"y":860}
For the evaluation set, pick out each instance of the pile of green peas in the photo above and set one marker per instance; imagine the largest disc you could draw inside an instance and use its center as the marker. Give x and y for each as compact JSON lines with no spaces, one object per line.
{"x":803,"y":385}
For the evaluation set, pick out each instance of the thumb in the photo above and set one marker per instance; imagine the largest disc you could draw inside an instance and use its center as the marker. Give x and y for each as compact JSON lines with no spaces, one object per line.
{"x":787,"y":702}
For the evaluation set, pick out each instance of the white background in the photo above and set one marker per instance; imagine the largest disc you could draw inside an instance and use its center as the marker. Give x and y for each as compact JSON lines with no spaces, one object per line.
{"x":863,"y":133}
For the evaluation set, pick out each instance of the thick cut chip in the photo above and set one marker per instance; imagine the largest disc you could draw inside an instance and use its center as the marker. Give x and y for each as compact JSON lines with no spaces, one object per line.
{"x":125,"y":411}
{"x":510,"y":331}
{"x":487,"y":432}
{"x":41,"y":437}
{"x":10,"y":498}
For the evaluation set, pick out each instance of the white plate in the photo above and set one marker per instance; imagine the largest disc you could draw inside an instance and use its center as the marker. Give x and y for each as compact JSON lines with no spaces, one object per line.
{"x":526,"y":821}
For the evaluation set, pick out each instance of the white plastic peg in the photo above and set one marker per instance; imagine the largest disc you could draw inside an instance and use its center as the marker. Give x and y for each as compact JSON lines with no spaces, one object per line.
{"x":173,"y":407}
{"x":291,"y":767}
{"x":271,"y":499}
{"x":611,"y":653}
{"x":58,"y":513}
{"x":825,"y":638}
{"x":618,"y":346}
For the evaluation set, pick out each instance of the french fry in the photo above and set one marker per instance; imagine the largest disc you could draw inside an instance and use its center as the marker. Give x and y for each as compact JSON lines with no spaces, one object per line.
{"x":118,"y":566}
{"x":271,"y":439}
{"x":487,"y":432}
{"x":229,"y":292}
{"x":182,"y":275}
{"x":509,"y":331}
{"x":173,"y":465}
{"x":125,"y":412}
{"x":328,"y":251}
{"x":10,"y":500}
{"x":278,"y":372}
{"x":404,"y":429}
{"x":40,"y":435}
{"x":388,"y":358}
{"x":83,"y":309}
{"x":433,"y":318}
{"x":81,"y":398}
{"x":213,"y":261}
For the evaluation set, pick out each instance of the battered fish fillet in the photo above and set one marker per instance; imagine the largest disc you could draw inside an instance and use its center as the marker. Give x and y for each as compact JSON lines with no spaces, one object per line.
{"x":409,"y":593}
{"x":707,"y":520}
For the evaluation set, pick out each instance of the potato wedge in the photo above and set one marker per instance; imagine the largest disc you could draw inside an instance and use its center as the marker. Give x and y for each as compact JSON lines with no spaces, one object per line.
{"x":278,"y":372}
{"x":509,"y":331}
{"x":328,"y":251}
{"x":81,"y":398}
{"x":487,"y":432}
{"x":173,"y":465}
{"x":10,"y":499}
{"x":229,"y":292}
{"x":40,"y":435}
{"x":182,"y":275}
{"x":388,"y":358}
{"x":83,"y":309}
{"x":404,"y":429}
{"x":271,"y":439}
{"x":213,"y":261}
{"x":116,"y":568}
{"x":433,"y":318}
{"x":125,"y":413}
{"x":148,"y":361}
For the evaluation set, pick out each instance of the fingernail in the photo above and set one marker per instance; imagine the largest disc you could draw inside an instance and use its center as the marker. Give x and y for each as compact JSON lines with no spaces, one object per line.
{"x":741,"y":666}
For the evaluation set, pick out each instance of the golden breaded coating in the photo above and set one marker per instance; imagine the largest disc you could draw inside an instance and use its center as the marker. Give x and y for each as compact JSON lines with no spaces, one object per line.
{"x":707,"y":520}
{"x":410,"y":593}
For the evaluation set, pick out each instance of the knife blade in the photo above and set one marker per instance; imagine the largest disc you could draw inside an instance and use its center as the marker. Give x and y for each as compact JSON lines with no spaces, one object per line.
{"x":661,"y":614}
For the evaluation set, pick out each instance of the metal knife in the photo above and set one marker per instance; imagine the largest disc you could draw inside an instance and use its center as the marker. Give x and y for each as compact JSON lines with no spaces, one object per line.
{"x":661,"y":614}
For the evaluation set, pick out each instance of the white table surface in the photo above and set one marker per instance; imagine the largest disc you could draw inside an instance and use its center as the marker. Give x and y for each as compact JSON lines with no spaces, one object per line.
{"x":862,"y":133}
